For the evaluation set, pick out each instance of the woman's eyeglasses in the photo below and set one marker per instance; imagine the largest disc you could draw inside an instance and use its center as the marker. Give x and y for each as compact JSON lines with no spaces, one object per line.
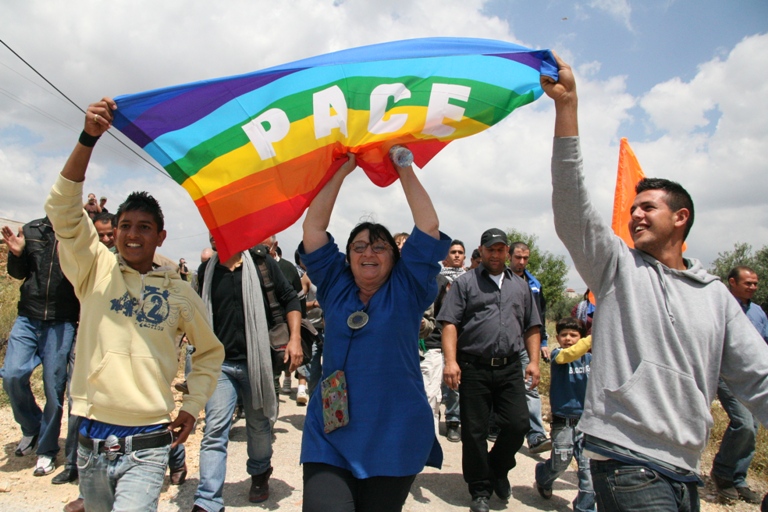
{"x":376,"y":247}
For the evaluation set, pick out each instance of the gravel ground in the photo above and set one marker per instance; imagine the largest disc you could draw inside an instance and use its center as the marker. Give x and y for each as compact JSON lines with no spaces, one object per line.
{"x":433,"y":490}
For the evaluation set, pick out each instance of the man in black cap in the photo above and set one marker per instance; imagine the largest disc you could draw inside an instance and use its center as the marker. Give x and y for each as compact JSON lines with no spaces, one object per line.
{"x":488,"y":316}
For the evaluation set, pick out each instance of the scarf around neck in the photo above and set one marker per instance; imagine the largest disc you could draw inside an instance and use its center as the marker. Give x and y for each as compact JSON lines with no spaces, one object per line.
{"x":256,"y":334}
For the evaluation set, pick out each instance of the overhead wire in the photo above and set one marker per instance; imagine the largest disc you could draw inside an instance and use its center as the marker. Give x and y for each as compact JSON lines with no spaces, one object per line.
{"x":78,"y":107}
{"x":64,"y":124}
{"x":43,"y":113}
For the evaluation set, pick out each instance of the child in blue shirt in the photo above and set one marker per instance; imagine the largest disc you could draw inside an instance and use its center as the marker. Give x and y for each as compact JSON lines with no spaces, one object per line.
{"x":570,"y":370}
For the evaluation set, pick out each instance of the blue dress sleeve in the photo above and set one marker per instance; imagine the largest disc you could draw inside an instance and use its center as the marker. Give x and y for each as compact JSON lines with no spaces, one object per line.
{"x":420,"y":263}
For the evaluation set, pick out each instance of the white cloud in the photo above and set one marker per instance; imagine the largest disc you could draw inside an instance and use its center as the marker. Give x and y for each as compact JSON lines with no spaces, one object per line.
{"x":723,"y":165}
{"x":733,"y":84}
{"x":675,"y":107}
{"x":619,"y":9}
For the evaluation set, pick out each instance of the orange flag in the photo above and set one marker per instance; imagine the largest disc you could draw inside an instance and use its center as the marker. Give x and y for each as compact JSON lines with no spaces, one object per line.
{"x":627,"y":177}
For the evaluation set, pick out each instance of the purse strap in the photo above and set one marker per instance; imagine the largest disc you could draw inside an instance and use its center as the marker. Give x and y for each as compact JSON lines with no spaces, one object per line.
{"x":275,"y":309}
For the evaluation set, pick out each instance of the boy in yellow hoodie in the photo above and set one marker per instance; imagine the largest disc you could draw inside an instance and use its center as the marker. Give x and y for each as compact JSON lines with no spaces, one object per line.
{"x":126,"y":351}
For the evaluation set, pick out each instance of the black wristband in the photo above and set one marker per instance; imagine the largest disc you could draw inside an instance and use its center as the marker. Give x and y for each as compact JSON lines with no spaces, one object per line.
{"x":88,"y":140}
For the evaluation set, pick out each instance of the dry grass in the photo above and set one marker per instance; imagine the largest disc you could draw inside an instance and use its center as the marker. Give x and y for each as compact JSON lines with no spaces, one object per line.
{"x":9,"y":296}
{"x":759,"y":467}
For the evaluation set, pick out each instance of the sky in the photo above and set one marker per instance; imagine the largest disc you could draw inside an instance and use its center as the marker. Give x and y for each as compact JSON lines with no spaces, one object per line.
{"x":683,"y":80}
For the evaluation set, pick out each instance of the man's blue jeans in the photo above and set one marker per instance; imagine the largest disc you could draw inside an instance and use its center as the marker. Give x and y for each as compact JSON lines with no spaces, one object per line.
{"x":313,"y":370}
{"x":73,"y":425}
{"x":218,"y":421}
{"x":188,"y":351}
{"x":621,"y":487}
{"x":738,"y":446}
{"x":533,"y":400}
{"x":567,"y":443}
{"x":31,"y":343}
{"x":452,"y":407}
{"x":132,"y":481}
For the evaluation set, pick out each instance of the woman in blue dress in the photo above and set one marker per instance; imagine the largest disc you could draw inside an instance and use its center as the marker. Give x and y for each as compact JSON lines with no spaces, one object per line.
{"x":363,"y":455}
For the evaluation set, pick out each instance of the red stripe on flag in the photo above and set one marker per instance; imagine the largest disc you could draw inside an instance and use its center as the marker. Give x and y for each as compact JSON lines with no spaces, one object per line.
{"x":249,"y":230}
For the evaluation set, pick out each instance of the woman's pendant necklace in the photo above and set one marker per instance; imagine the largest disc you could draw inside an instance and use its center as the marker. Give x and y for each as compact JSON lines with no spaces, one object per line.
{"x":357,"y":320}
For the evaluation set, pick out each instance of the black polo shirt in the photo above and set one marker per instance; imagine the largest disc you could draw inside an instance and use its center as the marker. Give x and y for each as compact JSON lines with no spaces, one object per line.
{"x":490,"y":320}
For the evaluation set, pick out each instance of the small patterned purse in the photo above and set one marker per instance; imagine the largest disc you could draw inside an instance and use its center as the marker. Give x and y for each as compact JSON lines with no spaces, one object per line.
{"x":335,"y":404}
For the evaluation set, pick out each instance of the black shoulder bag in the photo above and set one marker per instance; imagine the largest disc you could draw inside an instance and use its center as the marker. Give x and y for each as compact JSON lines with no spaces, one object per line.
{"x":278,"y":334}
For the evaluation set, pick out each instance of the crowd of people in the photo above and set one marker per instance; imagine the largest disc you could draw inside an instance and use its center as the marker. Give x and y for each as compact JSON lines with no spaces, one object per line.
{"x":95,"y":208}
{"x":399,"y":318}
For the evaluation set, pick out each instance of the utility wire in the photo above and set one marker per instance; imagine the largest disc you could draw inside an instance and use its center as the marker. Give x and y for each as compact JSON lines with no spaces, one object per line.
{"x":203,"y":233}
{"x":78,"y":107}
{"x":43,"y":113}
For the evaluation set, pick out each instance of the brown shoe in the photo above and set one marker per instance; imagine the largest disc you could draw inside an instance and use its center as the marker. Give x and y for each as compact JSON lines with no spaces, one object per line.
{"x":726,"y":491}
{"x":260,"y":487}
{"x":452,"y":431}
{"x":748,"y":495}
{"x":179,"y":475}
{"x":75,"y":506}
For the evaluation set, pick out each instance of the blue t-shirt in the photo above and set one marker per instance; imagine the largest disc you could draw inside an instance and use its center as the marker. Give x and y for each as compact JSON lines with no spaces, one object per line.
{"x":391,"y":430}
{"x":99,"y":430}
{"x":758,"y":318}
{"x":568,"y":385}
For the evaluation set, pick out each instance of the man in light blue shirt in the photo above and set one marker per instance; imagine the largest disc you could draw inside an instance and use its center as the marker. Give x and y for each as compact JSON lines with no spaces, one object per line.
{"x":729,"y":469}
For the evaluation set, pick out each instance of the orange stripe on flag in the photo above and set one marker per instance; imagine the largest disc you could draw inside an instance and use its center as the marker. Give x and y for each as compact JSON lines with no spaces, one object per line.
{"x":264,"y":189}
{"x":259,"y":225}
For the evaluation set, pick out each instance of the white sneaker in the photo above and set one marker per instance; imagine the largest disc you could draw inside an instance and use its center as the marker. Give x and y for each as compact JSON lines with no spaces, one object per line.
{"x":286,"y":389}
{"x":44,"y":466}
{"x":301,"y":396}
{"x":25,"y":446}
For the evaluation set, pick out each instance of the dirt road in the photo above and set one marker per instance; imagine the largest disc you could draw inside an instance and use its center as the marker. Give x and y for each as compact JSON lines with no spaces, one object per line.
{"x":434,"y":490}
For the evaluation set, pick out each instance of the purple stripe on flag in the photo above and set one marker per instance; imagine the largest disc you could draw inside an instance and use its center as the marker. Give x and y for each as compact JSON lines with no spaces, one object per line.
{"x":539,"y":60}
{"x":186,"y":108}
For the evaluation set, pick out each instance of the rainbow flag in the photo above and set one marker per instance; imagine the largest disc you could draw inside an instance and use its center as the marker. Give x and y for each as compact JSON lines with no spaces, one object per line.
{"x":254,"y":150}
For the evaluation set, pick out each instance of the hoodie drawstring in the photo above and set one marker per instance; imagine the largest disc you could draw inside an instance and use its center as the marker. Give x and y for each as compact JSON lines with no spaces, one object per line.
{"x":663,"y":281}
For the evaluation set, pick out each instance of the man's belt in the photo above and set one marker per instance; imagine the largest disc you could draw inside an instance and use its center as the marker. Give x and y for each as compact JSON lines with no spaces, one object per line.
{"x":122,"y":445}
{"x":562,"y":420}
{"x":488,"y":361}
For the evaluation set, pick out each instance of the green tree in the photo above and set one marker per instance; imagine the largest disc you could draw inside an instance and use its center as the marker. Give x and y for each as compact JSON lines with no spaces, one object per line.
{"x":742,"y":255}
{"x":551,"y":270}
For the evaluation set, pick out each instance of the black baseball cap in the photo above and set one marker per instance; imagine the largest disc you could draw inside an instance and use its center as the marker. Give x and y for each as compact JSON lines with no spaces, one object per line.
{"x":493,"y":236}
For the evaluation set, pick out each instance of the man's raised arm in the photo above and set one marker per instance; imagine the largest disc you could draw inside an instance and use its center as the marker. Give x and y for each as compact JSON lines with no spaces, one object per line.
{"x":98,"y":119}
{"x":319,"y":212}
{"x":566,"y":102}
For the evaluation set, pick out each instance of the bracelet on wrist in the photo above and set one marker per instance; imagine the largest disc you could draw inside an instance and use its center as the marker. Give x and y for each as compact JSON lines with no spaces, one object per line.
{"x":88,"y":140}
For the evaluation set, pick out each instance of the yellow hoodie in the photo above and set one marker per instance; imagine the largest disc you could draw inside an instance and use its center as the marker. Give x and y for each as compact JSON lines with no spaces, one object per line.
{"x":127,"y":354}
